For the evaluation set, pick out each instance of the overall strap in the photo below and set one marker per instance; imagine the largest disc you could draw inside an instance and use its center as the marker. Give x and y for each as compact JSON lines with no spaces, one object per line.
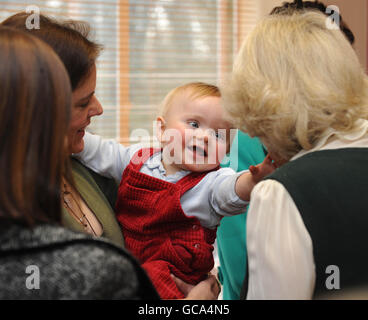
{"x":192,"y":179}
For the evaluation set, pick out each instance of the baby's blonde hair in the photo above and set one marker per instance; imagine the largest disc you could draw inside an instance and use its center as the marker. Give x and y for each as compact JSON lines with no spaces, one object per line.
{"x":292,"y":80}
{"x":192,"y":91}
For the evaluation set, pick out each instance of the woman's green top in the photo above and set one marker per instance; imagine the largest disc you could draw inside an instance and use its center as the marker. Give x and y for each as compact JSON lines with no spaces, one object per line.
{"x":97,"y":201}
{"x":231,"y":235}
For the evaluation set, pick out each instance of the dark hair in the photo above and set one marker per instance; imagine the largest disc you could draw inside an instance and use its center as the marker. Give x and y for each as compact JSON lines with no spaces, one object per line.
{"x":35,"y":102}
{"x":299,"y":5}
{"x":69,"y":39}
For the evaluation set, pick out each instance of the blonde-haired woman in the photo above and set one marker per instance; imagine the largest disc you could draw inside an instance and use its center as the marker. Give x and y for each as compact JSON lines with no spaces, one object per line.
{"x":297,"y":84}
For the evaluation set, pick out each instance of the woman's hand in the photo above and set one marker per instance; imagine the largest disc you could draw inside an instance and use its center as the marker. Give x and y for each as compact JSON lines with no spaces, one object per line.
{"x":207,"y":289}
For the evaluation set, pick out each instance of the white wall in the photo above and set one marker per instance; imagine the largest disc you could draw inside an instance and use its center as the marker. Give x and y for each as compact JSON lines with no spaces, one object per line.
{"x":354,"y":13}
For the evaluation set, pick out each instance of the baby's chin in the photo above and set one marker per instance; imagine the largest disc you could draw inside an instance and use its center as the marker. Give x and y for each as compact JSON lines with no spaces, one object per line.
{"x":196,"y":167}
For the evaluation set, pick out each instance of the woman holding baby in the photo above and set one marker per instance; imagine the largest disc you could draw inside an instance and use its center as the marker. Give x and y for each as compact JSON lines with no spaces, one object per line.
{"x":85,"y":208}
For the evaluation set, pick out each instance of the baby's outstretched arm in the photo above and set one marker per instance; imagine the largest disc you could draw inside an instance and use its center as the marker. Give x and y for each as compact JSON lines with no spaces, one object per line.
{"x":245,"y":183}
{"x":105,"y":156}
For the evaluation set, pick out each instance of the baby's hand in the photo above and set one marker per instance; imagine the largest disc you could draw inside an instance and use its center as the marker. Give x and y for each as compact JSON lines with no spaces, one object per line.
{"x":249,"y":179}
{"x":263,"y":169}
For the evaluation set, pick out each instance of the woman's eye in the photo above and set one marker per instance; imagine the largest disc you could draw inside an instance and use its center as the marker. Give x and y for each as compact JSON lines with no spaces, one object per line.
{"x":84,"y":105}
{"x":194,"y":124}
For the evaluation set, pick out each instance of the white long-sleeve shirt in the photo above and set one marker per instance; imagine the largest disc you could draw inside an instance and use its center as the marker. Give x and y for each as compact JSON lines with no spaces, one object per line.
{"x":211,"y":199}
{"x":280,"y":250}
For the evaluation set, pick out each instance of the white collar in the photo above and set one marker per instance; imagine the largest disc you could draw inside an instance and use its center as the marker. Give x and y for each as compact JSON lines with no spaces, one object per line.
{"x":332,"y":139}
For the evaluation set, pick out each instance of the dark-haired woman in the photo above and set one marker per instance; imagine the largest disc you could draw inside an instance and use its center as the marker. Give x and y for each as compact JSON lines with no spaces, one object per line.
{"x":40,"y":259}
{"x":85,"y":208}
{"x":88,"y":206}
{"x":88,"y":201}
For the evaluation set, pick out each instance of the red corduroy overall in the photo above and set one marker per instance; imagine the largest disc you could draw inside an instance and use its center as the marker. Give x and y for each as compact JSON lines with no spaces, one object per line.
{"x":157,"y":231}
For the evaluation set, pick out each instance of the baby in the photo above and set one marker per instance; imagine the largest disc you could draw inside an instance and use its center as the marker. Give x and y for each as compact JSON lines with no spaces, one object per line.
{"x":171,"y":200}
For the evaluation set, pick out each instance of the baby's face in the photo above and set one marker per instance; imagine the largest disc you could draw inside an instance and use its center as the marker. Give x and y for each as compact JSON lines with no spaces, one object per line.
{"x":195,"y":136}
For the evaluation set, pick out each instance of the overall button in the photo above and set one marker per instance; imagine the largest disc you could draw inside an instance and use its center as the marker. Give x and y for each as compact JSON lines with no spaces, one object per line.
{"x":196,"y":245}
{"x":195,"y":227}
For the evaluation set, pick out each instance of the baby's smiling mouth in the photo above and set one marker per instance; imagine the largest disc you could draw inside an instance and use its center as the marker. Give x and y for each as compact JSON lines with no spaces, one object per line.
{"x":198,"y":150}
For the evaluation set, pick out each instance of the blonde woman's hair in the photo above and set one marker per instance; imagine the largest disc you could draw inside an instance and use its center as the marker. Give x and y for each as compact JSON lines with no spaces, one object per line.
{"x":292,"y":80}
{"x":192,"y":91}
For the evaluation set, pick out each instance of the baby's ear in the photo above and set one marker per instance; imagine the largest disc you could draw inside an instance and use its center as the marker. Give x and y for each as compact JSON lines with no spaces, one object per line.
{"x":160,"y":128}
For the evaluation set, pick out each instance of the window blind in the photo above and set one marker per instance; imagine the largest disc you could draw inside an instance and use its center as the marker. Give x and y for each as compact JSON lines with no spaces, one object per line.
{"x":103,"y":16}
{"x":150,"y":47}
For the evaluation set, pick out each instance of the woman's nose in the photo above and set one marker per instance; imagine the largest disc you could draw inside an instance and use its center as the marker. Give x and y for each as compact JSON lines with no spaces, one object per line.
{"x":96,"y":108}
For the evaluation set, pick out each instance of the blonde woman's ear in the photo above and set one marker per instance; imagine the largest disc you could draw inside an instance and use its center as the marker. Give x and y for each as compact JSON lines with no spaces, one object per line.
{"x":160,"y":128}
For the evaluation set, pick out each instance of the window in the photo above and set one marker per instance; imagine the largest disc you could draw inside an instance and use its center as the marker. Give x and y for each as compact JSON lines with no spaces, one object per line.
{"x":150,"y":47}
{"x":104,"y":20}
